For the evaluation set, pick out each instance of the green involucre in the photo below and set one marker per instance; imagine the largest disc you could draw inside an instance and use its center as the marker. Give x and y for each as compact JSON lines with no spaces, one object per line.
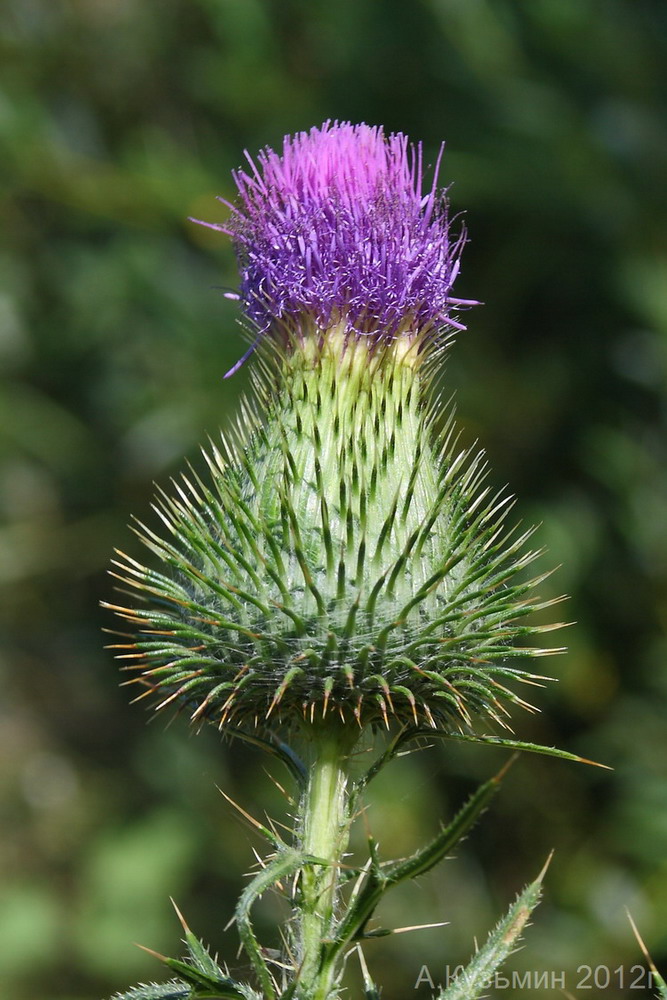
{"x":343,"y":557}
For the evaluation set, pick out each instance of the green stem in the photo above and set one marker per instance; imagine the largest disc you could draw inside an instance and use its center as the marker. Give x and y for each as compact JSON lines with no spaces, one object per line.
{"x":325,"y":832}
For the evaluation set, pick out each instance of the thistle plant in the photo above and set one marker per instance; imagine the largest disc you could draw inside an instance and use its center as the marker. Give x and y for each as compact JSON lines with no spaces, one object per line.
{"x":342,"y":577}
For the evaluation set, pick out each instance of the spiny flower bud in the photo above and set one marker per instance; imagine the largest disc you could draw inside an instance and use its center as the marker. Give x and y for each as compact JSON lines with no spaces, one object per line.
{"x":344,"y":558}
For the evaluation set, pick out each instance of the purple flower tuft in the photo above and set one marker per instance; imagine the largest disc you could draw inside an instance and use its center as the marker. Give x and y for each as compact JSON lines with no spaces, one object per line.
{"x":337,"y":230}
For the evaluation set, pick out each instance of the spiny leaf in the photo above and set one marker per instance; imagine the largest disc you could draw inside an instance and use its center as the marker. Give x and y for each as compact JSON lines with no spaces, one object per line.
{"x":203,"y":977}
{"x":174,"y":990}
{"x":199,"y":953}
{"x":203,"y":985}
{"x":499,"y":741}
{"x":472,"y":983}
{"x":284,"y":863}
{"x":382,"y":877}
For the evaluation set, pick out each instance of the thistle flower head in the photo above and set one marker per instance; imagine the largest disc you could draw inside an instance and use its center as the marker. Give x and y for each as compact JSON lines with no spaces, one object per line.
{"x":343,"y":558}
{"x":336,"y":230}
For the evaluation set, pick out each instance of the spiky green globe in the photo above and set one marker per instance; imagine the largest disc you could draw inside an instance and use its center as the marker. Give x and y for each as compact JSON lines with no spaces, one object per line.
{"x":342,"y":557}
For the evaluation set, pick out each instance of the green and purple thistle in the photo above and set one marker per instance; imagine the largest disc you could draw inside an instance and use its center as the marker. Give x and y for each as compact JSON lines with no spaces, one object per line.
{"x":342,"y":566}
{"x":344,"y":557}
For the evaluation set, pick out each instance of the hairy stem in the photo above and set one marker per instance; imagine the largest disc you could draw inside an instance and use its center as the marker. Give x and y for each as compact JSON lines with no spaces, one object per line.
{"x":325,"y":824}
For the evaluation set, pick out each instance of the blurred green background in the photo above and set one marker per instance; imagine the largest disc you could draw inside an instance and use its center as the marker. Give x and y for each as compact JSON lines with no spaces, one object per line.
{"x":118,"y":120}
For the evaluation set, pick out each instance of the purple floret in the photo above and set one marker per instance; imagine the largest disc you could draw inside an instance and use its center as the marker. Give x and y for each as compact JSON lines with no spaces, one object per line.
{"x":336,"y":230}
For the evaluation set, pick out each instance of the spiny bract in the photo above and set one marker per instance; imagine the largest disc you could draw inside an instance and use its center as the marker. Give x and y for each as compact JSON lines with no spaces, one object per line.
{"x":341,"y":558}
